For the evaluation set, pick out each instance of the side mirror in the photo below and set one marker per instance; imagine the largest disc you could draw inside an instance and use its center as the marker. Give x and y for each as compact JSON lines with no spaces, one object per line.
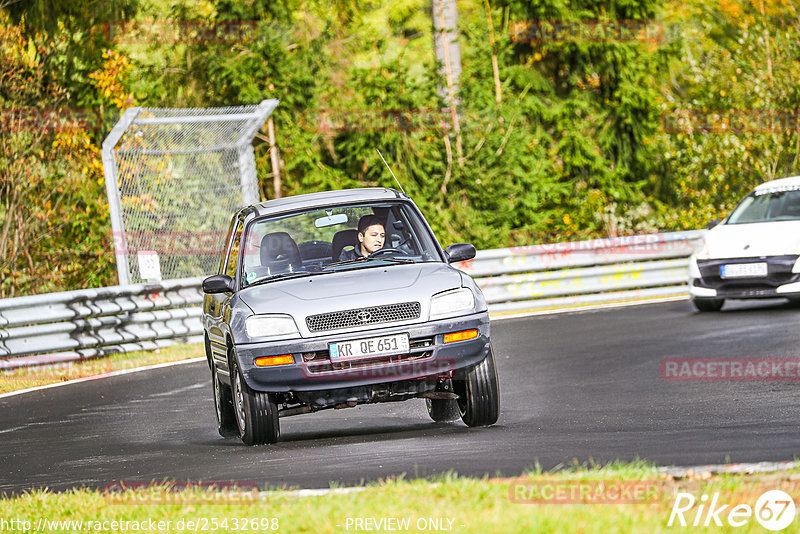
{"x":219,"y":283}
{"x":711,"y":224}
{"x":459,"y":252}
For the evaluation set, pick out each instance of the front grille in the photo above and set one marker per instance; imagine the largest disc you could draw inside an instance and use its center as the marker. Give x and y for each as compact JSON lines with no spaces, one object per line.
{"x":363,"y":316}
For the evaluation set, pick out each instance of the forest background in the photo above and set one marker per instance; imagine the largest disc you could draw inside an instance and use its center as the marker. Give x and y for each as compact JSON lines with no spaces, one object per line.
{"x":571,"y":136}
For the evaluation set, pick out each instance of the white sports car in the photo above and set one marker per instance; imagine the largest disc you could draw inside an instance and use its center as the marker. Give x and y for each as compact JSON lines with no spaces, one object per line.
{"x":754,"y":252}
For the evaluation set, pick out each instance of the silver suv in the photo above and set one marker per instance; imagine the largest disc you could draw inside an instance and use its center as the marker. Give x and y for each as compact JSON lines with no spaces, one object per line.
{"x":335,"y":299}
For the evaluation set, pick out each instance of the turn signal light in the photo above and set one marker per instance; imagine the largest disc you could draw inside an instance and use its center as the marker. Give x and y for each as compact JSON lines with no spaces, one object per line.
{"x":460,"y":336}
{"x":267,"y":361}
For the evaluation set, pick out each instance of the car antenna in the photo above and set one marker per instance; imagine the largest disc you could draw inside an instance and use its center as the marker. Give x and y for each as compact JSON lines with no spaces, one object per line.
{"x":390,"y":170}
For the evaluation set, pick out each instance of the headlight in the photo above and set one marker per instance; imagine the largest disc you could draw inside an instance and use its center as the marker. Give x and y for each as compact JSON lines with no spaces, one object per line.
{"x":453,"y":302}
{"x":270,"y":326}
{"x":796,"y":268}
{"x":703,"y":253}
{"x":694,"y":269}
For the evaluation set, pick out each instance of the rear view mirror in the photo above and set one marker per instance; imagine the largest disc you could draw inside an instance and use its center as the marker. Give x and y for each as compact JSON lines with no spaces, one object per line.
{"x":711,"y":224}
{"x":459,"y":252}
{"x":330,"y":220}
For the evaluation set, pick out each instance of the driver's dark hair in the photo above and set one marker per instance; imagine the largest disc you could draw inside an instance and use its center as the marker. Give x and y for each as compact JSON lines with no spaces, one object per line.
{"x":368,"y":220}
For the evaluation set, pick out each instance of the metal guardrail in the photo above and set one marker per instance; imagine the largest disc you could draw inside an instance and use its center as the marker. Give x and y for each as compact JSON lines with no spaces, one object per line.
{"x":74,"y":325}
{"x":579,"y":273}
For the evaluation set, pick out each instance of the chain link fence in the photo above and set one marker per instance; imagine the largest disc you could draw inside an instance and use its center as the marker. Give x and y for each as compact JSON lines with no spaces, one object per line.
{"x":173,"y":178}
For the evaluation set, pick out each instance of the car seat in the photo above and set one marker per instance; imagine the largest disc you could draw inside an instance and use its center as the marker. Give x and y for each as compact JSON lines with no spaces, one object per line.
{"x":341,"y":239}
{"x":280,"y":254}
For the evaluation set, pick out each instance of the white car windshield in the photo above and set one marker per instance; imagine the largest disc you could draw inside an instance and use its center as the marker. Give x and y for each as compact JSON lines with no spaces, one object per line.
{"x":327,"y":240}
{"x":766,"y":207}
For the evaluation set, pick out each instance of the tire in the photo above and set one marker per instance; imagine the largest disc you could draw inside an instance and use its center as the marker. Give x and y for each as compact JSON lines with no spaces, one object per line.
{"x":708,"y":305}
{"x":209,"y":355}
{"x":255,"y":411}
{"x":478,"y":394}
{"x":443,"y":410}
{"x":223,"y":407}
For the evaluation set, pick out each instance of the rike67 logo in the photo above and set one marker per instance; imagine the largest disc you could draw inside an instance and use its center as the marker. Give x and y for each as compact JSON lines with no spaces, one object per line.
{"x":774,"y":510}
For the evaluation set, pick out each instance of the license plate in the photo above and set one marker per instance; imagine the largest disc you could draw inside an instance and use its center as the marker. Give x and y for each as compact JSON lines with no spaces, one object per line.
{"x":743,"y":270}
{"x":373,"y":346}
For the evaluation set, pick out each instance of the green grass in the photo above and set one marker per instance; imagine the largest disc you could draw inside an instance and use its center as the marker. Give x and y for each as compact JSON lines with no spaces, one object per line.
{"x":473,"y":505}
{"x":28,"y":377}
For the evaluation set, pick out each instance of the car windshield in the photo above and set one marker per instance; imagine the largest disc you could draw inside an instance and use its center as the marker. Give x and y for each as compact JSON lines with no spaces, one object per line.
{"x":326,"y":240}
{"x":767,"y":206}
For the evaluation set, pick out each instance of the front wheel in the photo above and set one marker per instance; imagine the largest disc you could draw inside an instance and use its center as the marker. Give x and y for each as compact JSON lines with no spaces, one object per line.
{"x":707,"y":305}
{"x":479,"y":394}
{"x":256,"y":411}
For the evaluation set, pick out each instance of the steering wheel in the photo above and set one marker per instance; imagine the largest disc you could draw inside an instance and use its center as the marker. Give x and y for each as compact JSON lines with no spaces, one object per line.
{"x":382,"y":250}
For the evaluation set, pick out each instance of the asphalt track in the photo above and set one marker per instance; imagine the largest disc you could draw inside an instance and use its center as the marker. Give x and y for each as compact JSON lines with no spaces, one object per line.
{"x":582,"y":387}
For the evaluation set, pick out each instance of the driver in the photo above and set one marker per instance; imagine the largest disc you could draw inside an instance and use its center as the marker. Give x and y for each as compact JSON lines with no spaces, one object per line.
{"x":371,"y":236}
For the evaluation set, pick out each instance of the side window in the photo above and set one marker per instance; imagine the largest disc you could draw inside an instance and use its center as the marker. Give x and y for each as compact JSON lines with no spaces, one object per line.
{"x":233,"y":253}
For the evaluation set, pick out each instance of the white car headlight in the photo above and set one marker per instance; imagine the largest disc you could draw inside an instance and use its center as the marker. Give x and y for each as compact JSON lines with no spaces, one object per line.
{"x":796,"y":268}
{"x":694,"y":269}
{"x":453,"y":302}
{"x":273,"y":325}
{"x":702,"y":253}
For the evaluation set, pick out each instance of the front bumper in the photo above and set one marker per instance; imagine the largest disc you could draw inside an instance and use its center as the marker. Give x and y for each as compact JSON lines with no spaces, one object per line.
{"x":706,"y":282}
{"x":313,"y":371}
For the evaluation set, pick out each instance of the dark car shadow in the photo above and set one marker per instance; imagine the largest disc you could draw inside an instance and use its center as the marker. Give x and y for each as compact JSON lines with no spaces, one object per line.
{"x":374,"y":433}
{"x":355,"y":435}
{"x":745,"y":306}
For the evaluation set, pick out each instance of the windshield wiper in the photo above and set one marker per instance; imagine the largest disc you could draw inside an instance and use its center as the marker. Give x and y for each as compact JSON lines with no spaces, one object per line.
{"x":364,"y":259}
{"x":283,"y":276}
{"x":396,"y":260}
{"x":346,"y":262}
